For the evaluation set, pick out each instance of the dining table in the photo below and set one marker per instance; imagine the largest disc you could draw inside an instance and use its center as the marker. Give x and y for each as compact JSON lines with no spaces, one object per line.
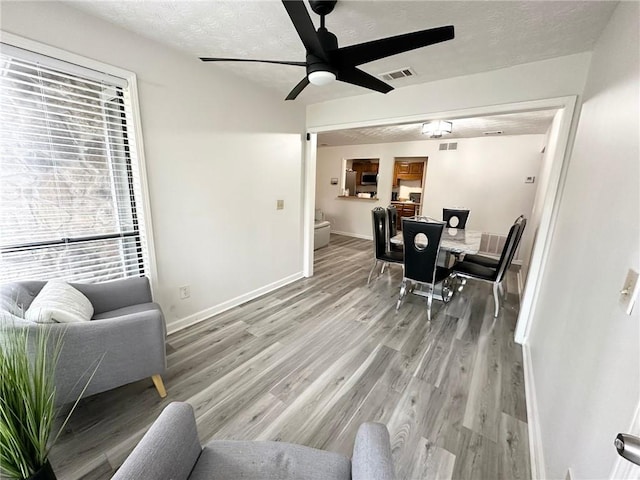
{"x":454,"y":243}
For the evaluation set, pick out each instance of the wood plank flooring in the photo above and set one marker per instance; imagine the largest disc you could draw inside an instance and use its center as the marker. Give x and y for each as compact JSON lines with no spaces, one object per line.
{"x":310,"y":362}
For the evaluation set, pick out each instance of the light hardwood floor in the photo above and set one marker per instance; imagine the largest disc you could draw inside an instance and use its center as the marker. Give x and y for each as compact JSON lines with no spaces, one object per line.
{"x":310,"y":362}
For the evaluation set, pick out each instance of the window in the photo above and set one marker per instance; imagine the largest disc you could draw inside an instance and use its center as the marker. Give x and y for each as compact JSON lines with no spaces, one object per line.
{"x":70,"y":193}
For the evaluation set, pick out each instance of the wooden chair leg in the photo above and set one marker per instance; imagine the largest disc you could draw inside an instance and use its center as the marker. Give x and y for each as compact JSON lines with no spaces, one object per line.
{"x":157,"y":381}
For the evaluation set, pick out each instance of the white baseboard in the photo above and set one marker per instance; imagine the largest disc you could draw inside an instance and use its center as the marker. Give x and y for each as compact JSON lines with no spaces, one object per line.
{"x":622,"y":468}
{"x":356,"y":235}
{"x":234,"y":302}
{"x":533,"y":418}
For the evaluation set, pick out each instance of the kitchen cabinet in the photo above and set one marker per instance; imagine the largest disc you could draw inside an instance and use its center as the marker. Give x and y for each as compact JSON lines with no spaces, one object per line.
{"x":406,"y":209}
{"x":407,"y":171}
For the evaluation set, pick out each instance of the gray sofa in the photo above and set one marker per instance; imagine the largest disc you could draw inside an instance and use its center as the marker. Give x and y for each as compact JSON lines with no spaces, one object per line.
{"x":170,"y":450}
{"x":127,"y":327}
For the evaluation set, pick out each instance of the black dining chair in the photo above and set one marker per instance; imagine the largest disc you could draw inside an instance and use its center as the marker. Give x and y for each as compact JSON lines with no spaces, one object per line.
{"x":493,"y":262}
{"x":421,"y":247}
{"x":381,"y":252}
{"x":495,"y":276}
{"x":392,"y":216}
{"x":455,"y":217}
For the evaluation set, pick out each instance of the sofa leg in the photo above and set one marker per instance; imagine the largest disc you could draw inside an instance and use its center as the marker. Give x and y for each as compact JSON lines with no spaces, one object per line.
{"x":157,"y":381}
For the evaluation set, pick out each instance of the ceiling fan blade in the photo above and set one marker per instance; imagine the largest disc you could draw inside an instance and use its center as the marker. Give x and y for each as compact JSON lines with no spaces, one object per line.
{"x":297,"y":89}
{"x":278,"y":62}
{"x":355,"y":76}
{"x":386,"y":47}
{"x":304,"y":26}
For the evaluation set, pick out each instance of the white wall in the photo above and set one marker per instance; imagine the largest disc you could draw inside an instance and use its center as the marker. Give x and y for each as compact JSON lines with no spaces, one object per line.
{"x":552,"y":78}
{"x":544,"y":174}
{"x":584,"y":349}
{"x":220,"y":151}
{"x":484,"y":174}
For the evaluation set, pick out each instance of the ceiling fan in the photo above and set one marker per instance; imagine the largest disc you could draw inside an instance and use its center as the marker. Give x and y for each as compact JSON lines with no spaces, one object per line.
{"x":326,"y":62}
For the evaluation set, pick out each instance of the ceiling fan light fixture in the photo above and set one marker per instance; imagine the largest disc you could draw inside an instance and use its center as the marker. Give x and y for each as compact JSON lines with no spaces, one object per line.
{"x":322,"y":77}
{"x":436,"y":128}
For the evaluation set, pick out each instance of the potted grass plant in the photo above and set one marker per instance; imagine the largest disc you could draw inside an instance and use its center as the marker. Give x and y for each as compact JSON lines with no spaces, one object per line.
{"x":27,"y":402}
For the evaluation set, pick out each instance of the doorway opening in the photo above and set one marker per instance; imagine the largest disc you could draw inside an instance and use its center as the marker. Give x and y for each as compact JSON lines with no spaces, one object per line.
{"x":407,"y":186}
{"x":545,"y":188}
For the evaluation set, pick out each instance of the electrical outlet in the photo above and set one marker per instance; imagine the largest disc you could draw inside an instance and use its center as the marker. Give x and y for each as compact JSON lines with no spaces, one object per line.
{"x":280,"y":205}
{"x":185,"y":292}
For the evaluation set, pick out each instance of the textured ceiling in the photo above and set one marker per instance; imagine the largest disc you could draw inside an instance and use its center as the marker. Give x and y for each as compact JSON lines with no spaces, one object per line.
{"x":489,"y":34}
{"x":510,"y":124}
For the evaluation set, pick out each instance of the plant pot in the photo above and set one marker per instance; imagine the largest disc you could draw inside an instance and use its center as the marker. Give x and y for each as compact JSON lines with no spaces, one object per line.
{"x":45,"y":473}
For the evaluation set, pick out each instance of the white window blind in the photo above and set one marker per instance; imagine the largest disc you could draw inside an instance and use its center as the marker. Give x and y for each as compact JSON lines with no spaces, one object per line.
{"x":70,"y":196}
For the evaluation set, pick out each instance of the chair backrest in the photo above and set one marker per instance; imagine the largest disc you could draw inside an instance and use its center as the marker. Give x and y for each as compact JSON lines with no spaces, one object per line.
{"x":461,"y":216}
{"x":392,"y":214}
{"x":379,"y":216}
{"x":523,"y":223}
{"x":420,"y":262}
{"x":509,"y":249}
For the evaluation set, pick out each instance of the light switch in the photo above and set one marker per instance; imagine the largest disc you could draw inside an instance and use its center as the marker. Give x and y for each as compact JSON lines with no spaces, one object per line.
{"x":629,"y":292}
{"x":280,"y":205}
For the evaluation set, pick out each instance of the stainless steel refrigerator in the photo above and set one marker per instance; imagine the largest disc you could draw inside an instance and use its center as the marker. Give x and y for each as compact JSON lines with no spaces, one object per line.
{"x":350,"y":182}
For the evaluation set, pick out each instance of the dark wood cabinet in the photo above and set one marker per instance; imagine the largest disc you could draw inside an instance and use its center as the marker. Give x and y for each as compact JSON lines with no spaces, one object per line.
{"x":402,"y":168}
{"x":406,"y":210}
{"x":407,"y":171}
{"x":416,"y":168}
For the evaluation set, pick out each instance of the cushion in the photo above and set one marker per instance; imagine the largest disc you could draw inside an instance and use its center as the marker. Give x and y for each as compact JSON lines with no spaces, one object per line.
{"x":59,"y":302}
{"x":130,"y":310}
{"x":322,"y":224}
{"x":475,"y":270}
{"x":482,"y":260}
{"x":223,"y":460}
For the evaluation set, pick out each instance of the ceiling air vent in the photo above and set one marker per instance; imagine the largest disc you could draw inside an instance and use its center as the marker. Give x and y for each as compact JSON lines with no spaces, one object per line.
{"x":396,"y":74}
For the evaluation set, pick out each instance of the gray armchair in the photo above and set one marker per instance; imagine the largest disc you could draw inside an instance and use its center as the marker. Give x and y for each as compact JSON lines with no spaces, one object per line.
{"x":127,"y":327}
{"x":170,"y":450}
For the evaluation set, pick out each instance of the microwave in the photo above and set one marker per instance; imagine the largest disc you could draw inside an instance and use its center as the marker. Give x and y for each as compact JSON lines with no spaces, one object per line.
{"x":369,"y":178}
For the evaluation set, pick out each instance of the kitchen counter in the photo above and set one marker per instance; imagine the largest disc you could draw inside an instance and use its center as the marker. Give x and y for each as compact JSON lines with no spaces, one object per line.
{"x":352,"y":197}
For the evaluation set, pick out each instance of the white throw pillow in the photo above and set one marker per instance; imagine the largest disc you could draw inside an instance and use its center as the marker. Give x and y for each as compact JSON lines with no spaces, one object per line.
{"x":59,"y":302}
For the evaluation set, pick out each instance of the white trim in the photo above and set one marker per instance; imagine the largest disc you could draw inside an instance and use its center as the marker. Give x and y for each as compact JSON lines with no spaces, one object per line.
{"x":198,"y":317}
{"x":60,"y":54}
{"x":536,"y":452}
{"x":309,"y":205}
{"x":355,"y":235}
{"x":622,"y":468}
{"x":531,"y":105}
{"x":130,"y":77}
{"x":550,"y":208}
{"x":144,"y":183}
